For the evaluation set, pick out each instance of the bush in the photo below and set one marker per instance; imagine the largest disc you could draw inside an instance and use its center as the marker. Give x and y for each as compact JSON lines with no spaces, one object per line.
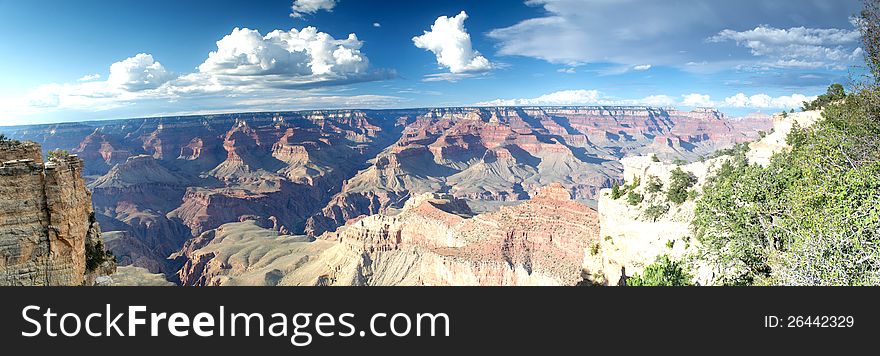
{"x":654,"y":158}
{"x":594,"y":249}
{"x":663,"y":272}
{"x":655,"y":211}
{"x":96,"y":255}
{"x":834,"y":93}
{"x":679,"y":183}
{"x":634,"y":198}
{"x":615,"y":191}
{"x":58,"y":154}
{"x":653,"y":185}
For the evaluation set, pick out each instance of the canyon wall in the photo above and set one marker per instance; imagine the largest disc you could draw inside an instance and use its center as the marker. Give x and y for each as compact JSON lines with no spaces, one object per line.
{"x":435,"y":239}
{"x":46,"y":220}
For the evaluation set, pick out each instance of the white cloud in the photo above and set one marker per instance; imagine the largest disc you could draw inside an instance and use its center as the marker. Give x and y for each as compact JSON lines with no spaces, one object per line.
{"x":568,"y":70}
{"x":642,"y":67}
{"x":451,"y":43}
{"x":451,"y":77}
{"x":763,"y":101}
{"x":697,"y":100}
{"x":302,"y":7}
{"x":89,"y":77}
{"x":246,"y":67}
{"x":377,"y":25}
{"x":629,"y":33}
{"x":581,"y":97}
{"x":797,"y":47}
{"x":294,"y":52}
{"x":564,"y":97}
{"x":595,"y":97}
{"x":137,"y":73}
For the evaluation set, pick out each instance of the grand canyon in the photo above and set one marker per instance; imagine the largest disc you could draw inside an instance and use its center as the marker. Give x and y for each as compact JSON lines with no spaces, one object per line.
{"x":434,"y":196}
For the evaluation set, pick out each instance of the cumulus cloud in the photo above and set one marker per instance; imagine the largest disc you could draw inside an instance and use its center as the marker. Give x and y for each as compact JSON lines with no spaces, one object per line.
{"x":137,"y":73}
{"x":294,"y":52}
{"x":799,"y":47}
{"x":283,"y":59}
{"x":634,"y":32}
{"x":450,"y":42}
{"x":245,"y":65}
{"x":764,"y":101}
{"x":302,"y":7}
{"x":697,"y":100}
{"x":89,"y":77}
{"x":377,"y":25}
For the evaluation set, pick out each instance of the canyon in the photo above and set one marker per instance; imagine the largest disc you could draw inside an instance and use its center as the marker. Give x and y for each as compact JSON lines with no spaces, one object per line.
{"x":435,"y":196}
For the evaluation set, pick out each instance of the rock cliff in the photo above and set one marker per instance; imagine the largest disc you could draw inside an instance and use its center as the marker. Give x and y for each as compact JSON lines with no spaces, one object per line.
{"x":48,"y":232}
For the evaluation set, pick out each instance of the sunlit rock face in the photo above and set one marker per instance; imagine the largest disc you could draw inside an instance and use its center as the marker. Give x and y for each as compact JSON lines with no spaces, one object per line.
{"x":46,"y":219}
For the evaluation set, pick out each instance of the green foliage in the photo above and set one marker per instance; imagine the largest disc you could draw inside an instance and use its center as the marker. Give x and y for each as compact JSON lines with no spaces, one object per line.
{"x":679,"y":161}
{"x":663,"y":272}
{"x":634,"y":198}
{"x":2,"y":137}
{"x":809,"y":218}
{"x":655,"y":211}
{"x":670,"y":244}
{"x":737,"y":150}
{"x":679,"y":183}
{"x":96,"y":255}
{"x":615,"y":191}
{"x":869,"y":26}
{"x":653,"y":185}
{"x":594,"y":249}
{"x":57,"y":154}
{"x":834,"y":93}
{"x":654,"y":158}
{"x":784,"y":114}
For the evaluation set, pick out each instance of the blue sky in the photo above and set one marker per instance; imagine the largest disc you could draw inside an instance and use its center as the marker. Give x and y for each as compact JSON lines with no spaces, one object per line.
{"x":85,"y":60}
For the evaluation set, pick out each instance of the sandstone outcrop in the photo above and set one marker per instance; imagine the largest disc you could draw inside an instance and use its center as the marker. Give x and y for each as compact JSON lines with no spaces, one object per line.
{"x":48,"y":233}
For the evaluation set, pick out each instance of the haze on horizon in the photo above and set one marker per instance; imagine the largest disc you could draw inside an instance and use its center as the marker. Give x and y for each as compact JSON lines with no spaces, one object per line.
{"x":66,"y":61}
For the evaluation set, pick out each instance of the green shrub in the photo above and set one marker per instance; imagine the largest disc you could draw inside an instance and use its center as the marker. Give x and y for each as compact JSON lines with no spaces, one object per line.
{"x":834,"y":93}
{"x":663,"y":272}
{"x":594,"y":249}
{"x":655,"y":211}
{"x":634,"y":198}
{"x":615,"y":191}
{"x":57,"y":154}
{"x":654,"y":158}
{"x":653,"y":185}
{"x":679,"y":183}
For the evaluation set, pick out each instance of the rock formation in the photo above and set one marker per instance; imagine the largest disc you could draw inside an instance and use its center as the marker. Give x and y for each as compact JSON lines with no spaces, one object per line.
{"x":434,"y":239}
{"x":48,"y":232}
